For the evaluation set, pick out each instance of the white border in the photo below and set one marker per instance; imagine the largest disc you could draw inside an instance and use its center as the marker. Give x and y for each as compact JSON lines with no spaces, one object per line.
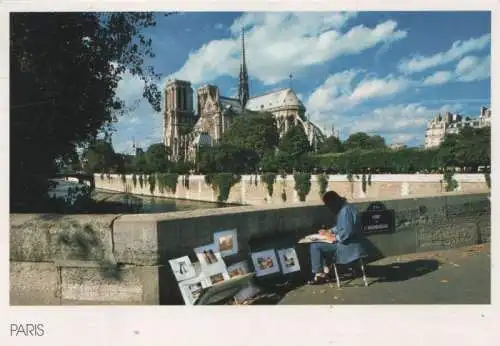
{"x":186,"y":292}
{"x":210,"y":268}
{"x":232,"y":233}
{"x":265,"y":253}
{"x":174,"y":264}
{"x":292,"y":269}
{"x":78,"y":325}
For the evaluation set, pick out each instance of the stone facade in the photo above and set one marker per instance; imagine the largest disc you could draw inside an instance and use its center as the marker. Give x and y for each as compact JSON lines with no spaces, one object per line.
{"x":252,"y":190}
{"x":450,"y":123}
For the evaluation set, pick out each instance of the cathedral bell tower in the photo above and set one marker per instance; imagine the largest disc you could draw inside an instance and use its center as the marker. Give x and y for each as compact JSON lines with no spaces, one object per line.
{"x":243,"y":90}
{"x":178,"y":115}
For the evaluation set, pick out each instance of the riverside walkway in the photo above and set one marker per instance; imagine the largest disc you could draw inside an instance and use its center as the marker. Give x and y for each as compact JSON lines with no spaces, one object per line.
{"x":457,"y":276}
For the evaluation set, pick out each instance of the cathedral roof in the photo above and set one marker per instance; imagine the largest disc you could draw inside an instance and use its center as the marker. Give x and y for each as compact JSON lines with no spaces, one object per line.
{"x":227,"y":103}
{"x":280,"y":98}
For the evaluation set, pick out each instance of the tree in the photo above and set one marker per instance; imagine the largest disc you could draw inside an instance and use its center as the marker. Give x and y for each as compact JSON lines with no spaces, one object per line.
{"x":253,"y":130}
{"x":229,"y":158}
{"x":361,"y":140}
{"x":100,"y":157}
{"x":331,"y":145}
{"x":64,"y":70}
{"x":157,"y":158}
{"x":295,"y":142}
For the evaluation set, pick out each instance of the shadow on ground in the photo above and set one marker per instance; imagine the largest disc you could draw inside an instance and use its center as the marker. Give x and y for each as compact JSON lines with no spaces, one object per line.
{"x":275,"y":290}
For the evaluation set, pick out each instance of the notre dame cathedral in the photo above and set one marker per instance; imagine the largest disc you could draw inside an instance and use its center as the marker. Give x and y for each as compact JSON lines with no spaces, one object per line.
{"x":186,"y":128}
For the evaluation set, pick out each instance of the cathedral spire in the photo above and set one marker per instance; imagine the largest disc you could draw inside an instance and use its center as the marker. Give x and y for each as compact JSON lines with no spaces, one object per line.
{"x":243,"y":92}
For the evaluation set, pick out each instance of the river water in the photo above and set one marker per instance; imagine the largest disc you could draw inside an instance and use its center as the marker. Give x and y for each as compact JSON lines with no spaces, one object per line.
{"x":128,"y":203}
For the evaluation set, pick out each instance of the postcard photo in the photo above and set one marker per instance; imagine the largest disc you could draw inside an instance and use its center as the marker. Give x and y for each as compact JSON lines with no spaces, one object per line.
{"x":289,"y":261}
{"x":265,"y":262}
{"x":238,"y":269}
{"x":191,"y":289}
{"x":183,"y":268}
{"x":226,"y":242}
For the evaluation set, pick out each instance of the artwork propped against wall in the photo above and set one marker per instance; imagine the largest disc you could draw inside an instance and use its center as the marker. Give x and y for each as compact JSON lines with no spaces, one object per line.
{"x":238,"y":269}
{"x":265,"y":262}
{"x":183,"y":268}
{"x":211,"y":262}
{"x":192,"y":289}
{"x":289,"y":261}
{"x":226,"y":242}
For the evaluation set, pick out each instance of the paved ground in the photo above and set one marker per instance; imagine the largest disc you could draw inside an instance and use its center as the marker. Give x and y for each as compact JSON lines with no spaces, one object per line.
{"x":458,"y":276}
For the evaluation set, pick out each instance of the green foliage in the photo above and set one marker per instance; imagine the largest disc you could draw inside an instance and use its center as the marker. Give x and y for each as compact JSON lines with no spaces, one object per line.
{"x":408,"y":160}
{"x":209,"y":178}
{"x":64,"y":72}
{"x":141,"y":181}
{"x":350,"y":177}
{"x":295,"y":142}
{"x":269,"y":179}
{"x":451,"y":183}
{"x":363,"y":183}
{"x":124,"y":178}
{"x":102,"y":176}
{"x":283,"y":196}
{"x":168,"y":181}
{"x":331,"y":145}
{"x":323,"y":183}
{"x":487,"y":177}
{"x":222,"y":182}
{"x":134,"y":179}
{"x":361,"y":140}
{"x":253,"y":130}
{"x":100,"y":157}
{"x":470,"y":148}
{"x":157,"y":158}
{"x":185,"y":181}
{"x":370,"y":179}
{"x":302,"y":184}
{"x":152,"y":183}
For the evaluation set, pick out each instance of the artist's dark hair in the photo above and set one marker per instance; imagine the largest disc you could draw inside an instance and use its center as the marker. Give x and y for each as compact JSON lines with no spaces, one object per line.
{"x":333,"y":200}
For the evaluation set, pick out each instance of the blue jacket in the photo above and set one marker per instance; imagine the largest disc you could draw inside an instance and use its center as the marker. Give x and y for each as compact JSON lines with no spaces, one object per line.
{"x":349,"y":235}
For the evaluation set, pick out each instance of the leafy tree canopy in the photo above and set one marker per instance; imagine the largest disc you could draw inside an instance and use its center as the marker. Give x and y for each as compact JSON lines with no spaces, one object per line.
{"x":64,"y":71}
{"x":295,"y":142}
{"x":253,"y":130}
{"x":361,"y":140}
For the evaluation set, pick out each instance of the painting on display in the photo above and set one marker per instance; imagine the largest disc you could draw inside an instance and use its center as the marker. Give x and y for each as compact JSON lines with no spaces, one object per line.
{"x":211,"y":263}
{"x":238,"y":269}
{"x":192,"y":289}
{"x":289,"y":260}
{"x":265,"y":262}
{"x":217,"y":278}
{"x":183,"y":268}
{"x":226,"y":242}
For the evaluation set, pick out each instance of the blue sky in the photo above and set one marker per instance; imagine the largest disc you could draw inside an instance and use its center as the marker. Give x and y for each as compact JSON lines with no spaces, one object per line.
{"x":383,"y":73}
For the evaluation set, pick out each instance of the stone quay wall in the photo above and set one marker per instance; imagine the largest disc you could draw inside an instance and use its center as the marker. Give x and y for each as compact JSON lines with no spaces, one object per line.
{"x":123,"y":259}
{"x":251,"y":190}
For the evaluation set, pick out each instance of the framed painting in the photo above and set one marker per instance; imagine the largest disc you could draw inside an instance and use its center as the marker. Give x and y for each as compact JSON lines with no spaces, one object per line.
{"x":183,"y":268}
{"x":226,"y":242}
{"x":265,"y":262}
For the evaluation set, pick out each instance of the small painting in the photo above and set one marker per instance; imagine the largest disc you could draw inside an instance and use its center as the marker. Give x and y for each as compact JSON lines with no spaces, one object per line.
{"x":226,"y":242}
{"x":289,"y":261}
{"x":183,"y":268}
{"x":265,"y":262}
{"x":192,"y":289}
{"x":211,"y":261}
{"x":238,"y":269}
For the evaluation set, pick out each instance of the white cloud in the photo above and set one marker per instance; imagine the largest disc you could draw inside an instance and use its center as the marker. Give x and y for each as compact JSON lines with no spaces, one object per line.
{"x":401,"y":123}
{"x":468,"y":69}
{"x":278,"y":44}
{"x":341,"y":92}
{"x":472,"y":68}
{"x":218,"y":26}
{"x":458,"y":49}
{"x":438,"y":77}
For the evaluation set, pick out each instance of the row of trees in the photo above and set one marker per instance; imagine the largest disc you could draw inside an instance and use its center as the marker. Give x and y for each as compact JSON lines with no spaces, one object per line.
{"x":252,"y":144}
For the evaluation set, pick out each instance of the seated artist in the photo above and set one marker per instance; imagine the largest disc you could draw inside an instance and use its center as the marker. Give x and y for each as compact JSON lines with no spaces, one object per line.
{"x":345,"y":246}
